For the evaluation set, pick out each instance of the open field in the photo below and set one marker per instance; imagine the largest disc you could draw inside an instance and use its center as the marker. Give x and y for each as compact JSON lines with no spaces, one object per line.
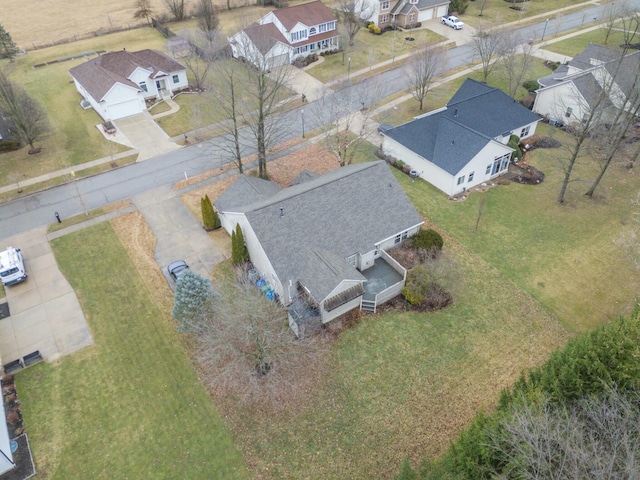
{"x":34,"y":24}
{"x":131,"y":406}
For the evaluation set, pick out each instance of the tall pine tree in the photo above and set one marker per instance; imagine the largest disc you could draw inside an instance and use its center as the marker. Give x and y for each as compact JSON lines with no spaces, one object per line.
{"x":8,"y":48}
{"x":239,"y":253}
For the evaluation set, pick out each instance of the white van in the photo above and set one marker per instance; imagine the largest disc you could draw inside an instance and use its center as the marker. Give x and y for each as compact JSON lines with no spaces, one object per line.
{"x":12,"y":269}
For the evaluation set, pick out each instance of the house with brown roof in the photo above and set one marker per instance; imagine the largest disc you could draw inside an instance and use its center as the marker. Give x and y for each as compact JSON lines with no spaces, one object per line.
{"x":280,"y":36}
{"x":403,"y":13}
{"x":116,"y":84}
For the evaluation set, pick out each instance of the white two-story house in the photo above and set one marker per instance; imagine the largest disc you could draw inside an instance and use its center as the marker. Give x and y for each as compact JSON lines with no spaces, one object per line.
{"x":280,"y":36}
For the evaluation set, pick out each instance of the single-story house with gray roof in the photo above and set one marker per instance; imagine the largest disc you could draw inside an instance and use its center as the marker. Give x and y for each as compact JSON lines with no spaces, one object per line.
{"x":464,"y":143}
{"x":116,"y":84}
{"x":599,"y":80}
{"x":323,"y":239}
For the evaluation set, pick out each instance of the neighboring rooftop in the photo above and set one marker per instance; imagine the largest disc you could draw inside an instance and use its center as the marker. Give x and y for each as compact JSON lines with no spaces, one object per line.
{"x":452,"y":136}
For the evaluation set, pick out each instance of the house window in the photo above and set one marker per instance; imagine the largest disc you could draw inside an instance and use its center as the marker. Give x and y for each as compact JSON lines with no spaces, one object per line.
{"x":413,"y":2}
{"x":488,"y":170}
{"x":398,"y":239}
{"x":569,"y":111}
{"x":143,"y":86}
{"x":525,"y":131}
{"x":384,"y":18}
{"x":405,"y":235}
{"x":412,"y":16}
{"x":301,"y":35}
{"x":385,"y":5}
{"x":471,"y":177}
{"x":312,"y":31}
{"x":461,"y":180}
{"x":322,"y":27}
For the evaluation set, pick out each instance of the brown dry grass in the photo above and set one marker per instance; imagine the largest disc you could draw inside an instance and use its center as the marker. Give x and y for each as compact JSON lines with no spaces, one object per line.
{"x":34,"y":23}
{"x":140,"y":243}
{"x":282,"y":171}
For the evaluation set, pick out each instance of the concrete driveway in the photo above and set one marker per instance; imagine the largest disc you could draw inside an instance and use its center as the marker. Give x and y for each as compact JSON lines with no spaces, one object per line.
{"x":179,"y":234}
{"x":461,"y":37}
{"x":45,"y":312}
{"x":144,"y":134}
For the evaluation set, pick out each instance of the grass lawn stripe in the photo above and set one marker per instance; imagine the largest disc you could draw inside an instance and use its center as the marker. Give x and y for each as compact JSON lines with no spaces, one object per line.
{"x":131,"y":406}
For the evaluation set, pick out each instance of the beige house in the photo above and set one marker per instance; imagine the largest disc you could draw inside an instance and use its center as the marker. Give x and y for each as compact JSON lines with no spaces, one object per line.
{"x":404,"y":13}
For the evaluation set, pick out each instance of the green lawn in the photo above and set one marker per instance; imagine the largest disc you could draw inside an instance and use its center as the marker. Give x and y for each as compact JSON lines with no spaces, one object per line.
{"x":74,"y":138}
{"x":131,"y":406}
{"x":403,"y":384}
{"x":369,"y":49}
{"x":497,"y":12}
{"x":575,"y":45}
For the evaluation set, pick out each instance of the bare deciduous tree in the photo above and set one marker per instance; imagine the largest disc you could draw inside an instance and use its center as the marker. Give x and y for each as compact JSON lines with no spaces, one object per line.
{"x":230,"y":87}
{"x":247,"y":351}
{"x":596,"y":438}
{"x":347,"y":114}
{"x":629,"y":25}
{"x":177,"y":8}
{"x":28,"y":118}
{"x":208,"y":20}
{"x":265,"y":96}
{"x":608,"y":97}
{"x":143,"y":10}
{"x":517,"y":59}
{"x":353,"y":14}
{"x":488,"y":44}
{"x":424,"y":66}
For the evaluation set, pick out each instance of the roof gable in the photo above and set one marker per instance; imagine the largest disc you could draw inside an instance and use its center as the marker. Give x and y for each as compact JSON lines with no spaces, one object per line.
{"x":245,"y":189}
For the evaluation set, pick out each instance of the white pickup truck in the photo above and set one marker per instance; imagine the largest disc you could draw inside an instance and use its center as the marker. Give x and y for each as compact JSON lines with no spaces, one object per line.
{"x":453,"y":22}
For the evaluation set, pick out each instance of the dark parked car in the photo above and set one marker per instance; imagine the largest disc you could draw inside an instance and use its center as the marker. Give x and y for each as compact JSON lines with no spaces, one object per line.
{"x":177,"y":268}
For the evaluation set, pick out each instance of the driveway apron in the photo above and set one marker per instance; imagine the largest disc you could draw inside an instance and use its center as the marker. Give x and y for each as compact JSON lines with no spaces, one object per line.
{"x":179,"y":235}
{"x":45,"y":314}
{"x":145,"y":135}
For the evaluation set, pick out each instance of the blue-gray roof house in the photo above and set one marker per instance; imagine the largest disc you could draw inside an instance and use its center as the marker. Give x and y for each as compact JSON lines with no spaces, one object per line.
{"x":323,"y":239}
{"x":464,"y":143}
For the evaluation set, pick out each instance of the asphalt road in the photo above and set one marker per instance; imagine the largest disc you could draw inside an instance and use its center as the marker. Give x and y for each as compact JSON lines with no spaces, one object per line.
{"x":38,"y":209}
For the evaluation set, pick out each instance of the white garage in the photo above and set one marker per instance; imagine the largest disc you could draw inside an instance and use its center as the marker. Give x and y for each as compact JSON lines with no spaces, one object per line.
{"x":425,"y":15}
{"x":124,"y":109}
{"x":442,"y":10}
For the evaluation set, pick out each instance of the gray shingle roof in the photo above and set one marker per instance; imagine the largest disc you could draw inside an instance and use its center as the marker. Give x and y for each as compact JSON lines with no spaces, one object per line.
{"x":488,"y":110}
{"x":474,"y":116}
{"x":245,"y":190}
{"x":592,"y":55}
{"x":100,"y":74}
{"x":309,"y":229}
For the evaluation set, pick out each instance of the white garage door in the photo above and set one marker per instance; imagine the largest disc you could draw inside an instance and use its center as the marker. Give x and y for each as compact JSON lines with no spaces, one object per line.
{"x":425,"y":15}
{"x":124,"y":109}
{"x":279,"y":60}
{"x":442,"y":10}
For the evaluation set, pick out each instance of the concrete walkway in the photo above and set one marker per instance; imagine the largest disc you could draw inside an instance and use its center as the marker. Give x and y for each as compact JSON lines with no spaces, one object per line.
{"x":179,"y":235}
